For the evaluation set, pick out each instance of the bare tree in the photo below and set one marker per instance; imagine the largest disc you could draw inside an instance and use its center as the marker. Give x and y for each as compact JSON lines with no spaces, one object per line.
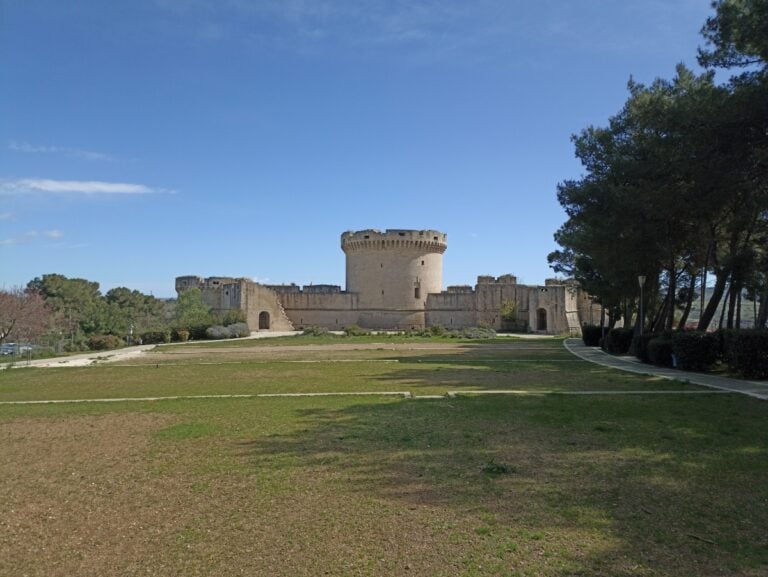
{"x":23,"y":313}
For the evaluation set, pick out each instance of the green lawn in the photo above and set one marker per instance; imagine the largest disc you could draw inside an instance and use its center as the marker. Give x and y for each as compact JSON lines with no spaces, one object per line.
{"x":553,"y":485}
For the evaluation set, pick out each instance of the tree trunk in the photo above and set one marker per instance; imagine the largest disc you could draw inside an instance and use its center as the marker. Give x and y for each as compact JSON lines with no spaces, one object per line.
{"x":627,"y":316}
{"x":704,"y":281}
{"x":670,"y":320}
{"x":689,"y":302}
{"x":724,"y":307}
{"x":721,"y":278}
{"x":762,"y":314}
{"x":733,"y":294}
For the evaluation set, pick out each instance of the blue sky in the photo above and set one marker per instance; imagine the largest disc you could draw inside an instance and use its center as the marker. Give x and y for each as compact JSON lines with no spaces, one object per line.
{"x":141,"y":140}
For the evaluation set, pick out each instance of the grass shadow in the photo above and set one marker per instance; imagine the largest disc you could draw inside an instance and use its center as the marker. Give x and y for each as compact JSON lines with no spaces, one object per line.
{"x":574,"y":486}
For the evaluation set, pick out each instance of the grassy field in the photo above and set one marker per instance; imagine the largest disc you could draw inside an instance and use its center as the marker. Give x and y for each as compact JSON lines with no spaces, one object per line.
{"x":530,"y":484}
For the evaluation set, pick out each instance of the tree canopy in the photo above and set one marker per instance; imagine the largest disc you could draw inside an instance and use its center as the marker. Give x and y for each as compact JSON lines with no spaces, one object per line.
{"x":676,"y":185}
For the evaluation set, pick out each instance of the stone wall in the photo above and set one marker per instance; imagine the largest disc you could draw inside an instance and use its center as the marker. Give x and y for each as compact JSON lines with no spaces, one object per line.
{"x":394,"y":281}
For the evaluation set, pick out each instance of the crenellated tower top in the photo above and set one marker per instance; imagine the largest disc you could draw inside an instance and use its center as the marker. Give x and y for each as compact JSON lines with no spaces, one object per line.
{"x":397,"y":239}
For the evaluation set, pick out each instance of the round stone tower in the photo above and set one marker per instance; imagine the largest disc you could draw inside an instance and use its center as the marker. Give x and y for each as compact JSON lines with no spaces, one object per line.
{"x":392,"y":273}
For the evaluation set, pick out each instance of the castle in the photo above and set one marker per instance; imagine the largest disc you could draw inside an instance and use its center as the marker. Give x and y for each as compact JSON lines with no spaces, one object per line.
{"x":394,"y":282}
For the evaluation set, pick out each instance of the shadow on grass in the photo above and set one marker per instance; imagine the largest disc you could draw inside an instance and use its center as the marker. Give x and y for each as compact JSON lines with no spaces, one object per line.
{"x":580,"y":486}
{"x":478,"y":369}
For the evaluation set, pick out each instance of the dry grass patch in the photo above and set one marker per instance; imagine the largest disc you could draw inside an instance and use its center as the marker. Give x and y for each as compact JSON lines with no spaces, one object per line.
{"x":299,"y":487}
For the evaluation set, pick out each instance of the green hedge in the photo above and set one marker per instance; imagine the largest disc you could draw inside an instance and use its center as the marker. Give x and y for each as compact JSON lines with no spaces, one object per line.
{"x":660,"y":351}
{"x":640,"y":345}
{"x":746,"y":352}
{"x":591,"y":335}
{"x":156,"y":337}
{"x":695,"y":351}
{"x":618,"y":341}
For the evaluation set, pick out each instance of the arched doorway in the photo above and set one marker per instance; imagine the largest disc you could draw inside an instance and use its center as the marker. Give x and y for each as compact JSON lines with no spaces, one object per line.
{"x":263,"y":320}
{"x":541,"y":319}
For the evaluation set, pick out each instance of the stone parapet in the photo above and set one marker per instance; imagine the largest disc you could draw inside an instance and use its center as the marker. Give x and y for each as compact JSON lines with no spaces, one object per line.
{"x":372,"y":239}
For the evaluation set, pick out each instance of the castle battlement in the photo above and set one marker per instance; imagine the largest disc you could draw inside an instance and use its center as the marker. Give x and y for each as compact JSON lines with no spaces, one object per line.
{"x":394,"y":281}
{"x":372,"y":239}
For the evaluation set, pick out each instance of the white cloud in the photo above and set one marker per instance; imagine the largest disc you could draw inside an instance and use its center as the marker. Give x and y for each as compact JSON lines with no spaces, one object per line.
{"x":21,"y":239}
{"x":85,"y":187}
{"x":32,"y":235}
{"x":71,"y":152}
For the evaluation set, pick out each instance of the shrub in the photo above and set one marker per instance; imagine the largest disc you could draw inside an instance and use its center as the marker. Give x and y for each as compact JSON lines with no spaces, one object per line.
{"x":104,"y":342}
{"x":355,"y":331}
{"x":198,"y":332}
{"x":217,"y":332}
{"x":181,"y":335}
{"x":232,"y":317}
{"x":156,"y":337}
{"x":239,"y":330}
{"x":478,"y":333}
{"x":747,"y":353}
{"x":725,"y":342}
{"x":150,"y":337}
{"x":660,"y":351}
{"x":315,"y":331}
{"x":640,"y":346}
{"x":437,"y":330}
{"x":591,"y":335}
{"x":618,"y":341}
{"x":695,"y":351}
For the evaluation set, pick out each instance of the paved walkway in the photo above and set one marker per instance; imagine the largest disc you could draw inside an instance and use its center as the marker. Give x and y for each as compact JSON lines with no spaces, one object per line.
{"x":757,"y":389}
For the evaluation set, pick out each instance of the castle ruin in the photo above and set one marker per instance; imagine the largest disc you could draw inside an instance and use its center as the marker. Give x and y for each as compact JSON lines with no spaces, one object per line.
{"x":394,"y":282}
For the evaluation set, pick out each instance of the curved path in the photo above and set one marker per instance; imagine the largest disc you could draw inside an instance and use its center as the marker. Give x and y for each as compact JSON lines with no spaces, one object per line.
{"x":757,"y":389}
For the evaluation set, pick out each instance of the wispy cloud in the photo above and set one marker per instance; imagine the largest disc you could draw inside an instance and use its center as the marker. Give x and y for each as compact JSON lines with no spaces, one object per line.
{"x":76,"y":187}
{"x":66,"y":151}
{"x":432,"y":30}
{"x":32,"y":235}
{"x":6,"y":216}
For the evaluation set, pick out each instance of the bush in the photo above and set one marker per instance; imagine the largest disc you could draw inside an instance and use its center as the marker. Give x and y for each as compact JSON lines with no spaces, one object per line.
{"x":478,"y":333}
{"x":315,"y":331}
{"x":355,"y":331}
{"x":437,"y":330}
{"x":181,"y":335}
{"x":232,"y":317}
{"x":747,"y":352}
{"x":156,"y":337}
{"x":198,"y":332}
{"x":217,"y":332}
{"x":725,"y":342}
{"x":591,"y":335}
{"x":618,"y":341}
{"x":695,"y":351}
{"x":104,"y":342}
{"x":660,"y":351}
{"x":640,"y":346}
{"x":239,"y":330}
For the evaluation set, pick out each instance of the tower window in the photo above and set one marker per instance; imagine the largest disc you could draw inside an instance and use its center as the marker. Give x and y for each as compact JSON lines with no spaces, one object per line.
{"x":422,"y":263}
{"x":417,"y":292}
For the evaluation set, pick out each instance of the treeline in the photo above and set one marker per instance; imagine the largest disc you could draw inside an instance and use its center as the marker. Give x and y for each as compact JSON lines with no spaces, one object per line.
{"x":675,"y":188}
{"x":72,"y":314}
